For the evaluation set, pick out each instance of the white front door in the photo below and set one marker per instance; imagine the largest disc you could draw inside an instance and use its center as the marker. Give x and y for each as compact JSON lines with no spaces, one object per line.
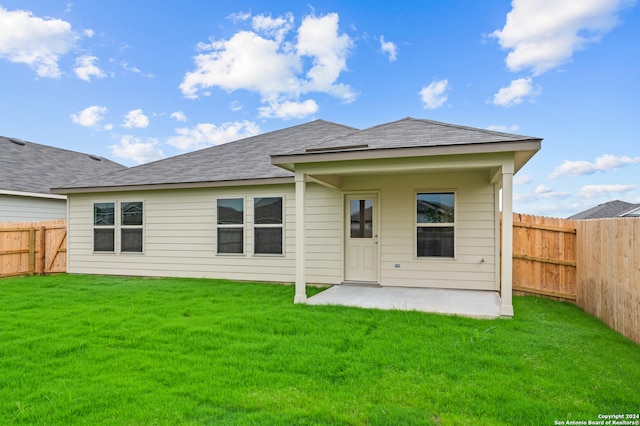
{"x":361,"y":239}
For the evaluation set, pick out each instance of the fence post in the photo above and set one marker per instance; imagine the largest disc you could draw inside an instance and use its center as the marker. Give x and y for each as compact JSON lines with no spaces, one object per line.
{"x":32,"y":250}
{"x":43,"y":250}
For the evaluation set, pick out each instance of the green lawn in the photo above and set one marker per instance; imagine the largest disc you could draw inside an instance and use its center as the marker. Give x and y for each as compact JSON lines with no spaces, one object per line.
{"x":112,"y":350}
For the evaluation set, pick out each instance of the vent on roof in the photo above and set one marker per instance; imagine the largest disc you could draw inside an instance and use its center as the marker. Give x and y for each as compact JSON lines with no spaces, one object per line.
{"x":18,"y":141}
{"x":337,"y":148}
{"x":95,"y":157}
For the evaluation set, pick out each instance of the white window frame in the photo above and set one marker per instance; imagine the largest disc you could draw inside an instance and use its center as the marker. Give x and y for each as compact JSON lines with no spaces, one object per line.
{"x":113,"y":227}
{"x":242,"y":226}
{"x":453,"y":224}
{"x":122,"y":226}
{"x":270,"y":225}
{"x":118,"y":227}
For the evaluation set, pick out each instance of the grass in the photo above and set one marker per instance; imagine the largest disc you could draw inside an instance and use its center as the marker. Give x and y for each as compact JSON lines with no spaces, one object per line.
{"x":131,"y":351}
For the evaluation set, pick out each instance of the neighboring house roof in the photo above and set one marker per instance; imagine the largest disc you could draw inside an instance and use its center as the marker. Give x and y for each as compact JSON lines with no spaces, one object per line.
{"x":27,"y":167}
{"x":257,"y":157}
{"x":615,"y":208}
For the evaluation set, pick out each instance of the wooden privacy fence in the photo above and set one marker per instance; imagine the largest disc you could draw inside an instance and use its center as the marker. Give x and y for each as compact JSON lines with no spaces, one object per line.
{"x":544,"y":256}
{"x":28,"y":248}
{"x":593,"y":263}
{"x":608,"y":280}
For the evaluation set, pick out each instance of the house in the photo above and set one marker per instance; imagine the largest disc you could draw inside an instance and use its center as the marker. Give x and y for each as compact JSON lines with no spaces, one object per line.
{"x":411,"y":203}
{"x":615,"y":208}
{"x":28,"y":171}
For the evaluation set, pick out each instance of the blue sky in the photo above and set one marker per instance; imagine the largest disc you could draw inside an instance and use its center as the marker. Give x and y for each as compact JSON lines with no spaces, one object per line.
{"x":136,"y":81}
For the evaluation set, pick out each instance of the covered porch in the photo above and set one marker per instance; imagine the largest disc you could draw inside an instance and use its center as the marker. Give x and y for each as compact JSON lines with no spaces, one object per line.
{"x":468,"y":303}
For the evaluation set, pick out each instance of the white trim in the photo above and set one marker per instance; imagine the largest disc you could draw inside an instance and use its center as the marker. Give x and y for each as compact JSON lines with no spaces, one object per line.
{"x":243,"y":226}
{"x":177,"y":185}
{"x":526,"y":148}
{"x":113,"y":227}
{"x":142,"y":227}
{"x":280,"y":225}
{"x":32,"y":194}
{"x":301,"y":279}
{"x":506,"y":287}
{"x":346,"y":228}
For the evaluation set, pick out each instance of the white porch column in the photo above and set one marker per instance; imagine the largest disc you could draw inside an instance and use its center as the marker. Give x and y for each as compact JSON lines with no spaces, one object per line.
{"x":506,"y":308}
{"x":301,"y":285}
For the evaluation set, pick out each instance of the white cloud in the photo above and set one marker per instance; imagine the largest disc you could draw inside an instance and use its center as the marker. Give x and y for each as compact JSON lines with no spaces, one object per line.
{"x":277,"y":67}
{"x":503,"y":128}
{"x":136,"y":118}
{"x":236,"y":106}
{"x":541,"y":192}
{"x":603,"y":163}
{"x":288,"y":109}
{"x":515,"y":93}
{"x":389,"y":48}
{"x":204,"y":135}
{"x":85,"y":68}
{"x":245,"y":61}
{"x":90,"y":116}
{"x":37,"y":42}
{"x":239,"y":16}
{"x":542,"y":34}
{"x":125,"y":65}
{"x":179,"y":116}
{"x":319,"y":38}
{"x":134,"y":149}
{"x":273,"y":27}
{"x":592,"y":191}
{"x":522,"y":179}
{"x":433,"y":96}
{"x":542,"y":189}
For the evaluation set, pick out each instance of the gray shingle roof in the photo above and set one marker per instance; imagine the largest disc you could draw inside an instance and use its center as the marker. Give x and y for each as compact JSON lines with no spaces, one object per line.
{"x":31,"y":167}
{"x":410,"y":133}
{"x":240,"y":160}
{"x":250,"y":158}
{"x":615,"y":208}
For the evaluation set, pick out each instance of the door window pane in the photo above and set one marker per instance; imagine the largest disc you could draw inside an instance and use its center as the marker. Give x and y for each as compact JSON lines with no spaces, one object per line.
{"x":361,"y":214}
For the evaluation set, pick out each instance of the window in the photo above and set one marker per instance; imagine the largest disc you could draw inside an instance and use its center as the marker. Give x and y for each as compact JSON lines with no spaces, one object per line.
{"x":267,"y":225}
{"x":435,"y":224}
{"x":230,"y":237}
{"x":131,"y":227}
{"x":104,"y":227}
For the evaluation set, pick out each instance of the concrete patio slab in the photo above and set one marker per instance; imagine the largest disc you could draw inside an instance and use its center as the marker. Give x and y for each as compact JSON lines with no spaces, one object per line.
{"x":469,"y":303}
